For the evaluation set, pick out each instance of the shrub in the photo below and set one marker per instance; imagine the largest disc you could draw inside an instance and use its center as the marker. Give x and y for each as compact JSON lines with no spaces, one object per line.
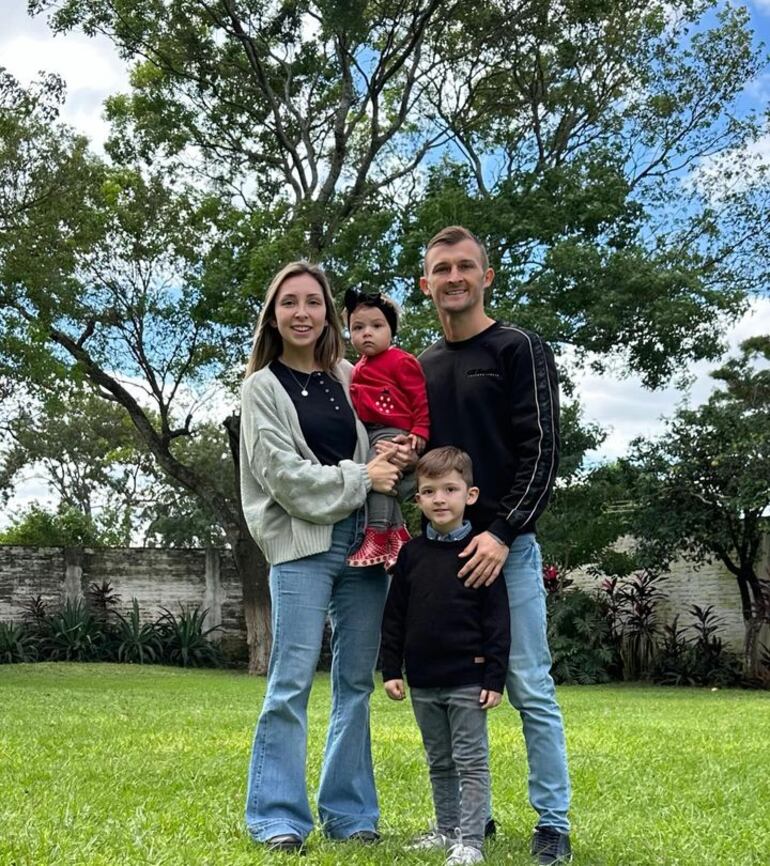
{"x":137,"y":641}
{"x":17,"y":644}
{"x":580,"y":638}
{"x":72,"y":634}
{"x":184,"y":639}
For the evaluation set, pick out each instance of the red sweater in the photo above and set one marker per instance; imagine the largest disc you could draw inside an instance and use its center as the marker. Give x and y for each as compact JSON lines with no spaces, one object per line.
{"x":390,"y":389}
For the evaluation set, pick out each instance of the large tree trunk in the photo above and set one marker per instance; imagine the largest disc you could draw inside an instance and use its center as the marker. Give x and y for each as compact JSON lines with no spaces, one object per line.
{"x":755,"y":615}
{"x":252,"y":569}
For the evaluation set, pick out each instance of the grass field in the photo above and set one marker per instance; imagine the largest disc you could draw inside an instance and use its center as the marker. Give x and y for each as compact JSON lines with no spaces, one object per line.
{"x":104,"y":764}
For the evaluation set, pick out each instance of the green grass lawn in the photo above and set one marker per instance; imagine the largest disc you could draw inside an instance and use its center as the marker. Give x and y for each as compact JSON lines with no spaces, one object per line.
{"x":107,"y":764}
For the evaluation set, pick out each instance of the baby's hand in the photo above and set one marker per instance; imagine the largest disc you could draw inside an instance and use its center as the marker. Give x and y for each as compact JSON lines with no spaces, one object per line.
{"x":417,"y":442}
{"x":489,"y":699}
{"x":395,"y":689}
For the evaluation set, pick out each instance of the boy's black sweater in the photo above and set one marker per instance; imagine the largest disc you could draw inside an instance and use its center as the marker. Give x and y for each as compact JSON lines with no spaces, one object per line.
{"x":496,"y":396}
{"x":447,"y":634}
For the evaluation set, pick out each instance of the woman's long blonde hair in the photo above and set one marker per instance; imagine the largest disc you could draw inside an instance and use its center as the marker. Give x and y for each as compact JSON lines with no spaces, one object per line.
{"x":268,"y":344}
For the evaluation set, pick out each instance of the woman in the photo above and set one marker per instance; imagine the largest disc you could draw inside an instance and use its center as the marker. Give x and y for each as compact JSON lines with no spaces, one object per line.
{"x":304,"y":481}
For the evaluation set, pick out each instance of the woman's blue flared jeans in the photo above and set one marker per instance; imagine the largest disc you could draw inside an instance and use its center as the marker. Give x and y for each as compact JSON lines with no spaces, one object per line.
{"x":302,"y":592}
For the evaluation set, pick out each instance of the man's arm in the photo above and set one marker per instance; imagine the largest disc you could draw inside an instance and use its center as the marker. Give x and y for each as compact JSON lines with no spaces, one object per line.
{"x":535,"y":424}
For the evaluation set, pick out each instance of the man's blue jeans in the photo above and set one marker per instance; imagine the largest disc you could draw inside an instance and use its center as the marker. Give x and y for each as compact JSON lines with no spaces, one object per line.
{"x":530,"y":686}
{"x":302,"y":591}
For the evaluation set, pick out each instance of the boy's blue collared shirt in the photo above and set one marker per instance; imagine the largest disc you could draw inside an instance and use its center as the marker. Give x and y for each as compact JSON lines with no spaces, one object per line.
{"x":455,"y":535}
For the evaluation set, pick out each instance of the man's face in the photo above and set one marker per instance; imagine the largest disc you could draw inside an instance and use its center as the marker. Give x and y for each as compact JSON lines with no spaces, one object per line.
{"x":442,"y":500}
{"x":455,"y":278}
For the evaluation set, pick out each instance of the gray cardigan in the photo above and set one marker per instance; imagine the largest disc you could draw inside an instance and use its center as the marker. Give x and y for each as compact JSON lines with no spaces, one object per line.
{"x":291,"y":502}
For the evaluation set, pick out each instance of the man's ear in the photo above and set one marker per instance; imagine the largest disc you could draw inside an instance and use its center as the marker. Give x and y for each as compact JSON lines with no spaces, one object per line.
{"x":424,"y":286}
{"x":489,"y":277}
{"x":473,"y":495}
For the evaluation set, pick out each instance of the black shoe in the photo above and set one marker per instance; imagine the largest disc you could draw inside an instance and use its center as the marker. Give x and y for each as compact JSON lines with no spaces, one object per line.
{"x":365,"y":837}
{"x":490,"y":829}
{"x":288,"y":842}
{"x":550,"y":846}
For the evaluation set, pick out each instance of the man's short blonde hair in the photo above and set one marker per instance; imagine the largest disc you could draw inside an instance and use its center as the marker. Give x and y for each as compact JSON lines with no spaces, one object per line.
{"x":452,"y":235}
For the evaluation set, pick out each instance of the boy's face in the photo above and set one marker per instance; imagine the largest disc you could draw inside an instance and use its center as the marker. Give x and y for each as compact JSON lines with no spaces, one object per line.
{"x":369,"y":331}
{"x":442,"y":500}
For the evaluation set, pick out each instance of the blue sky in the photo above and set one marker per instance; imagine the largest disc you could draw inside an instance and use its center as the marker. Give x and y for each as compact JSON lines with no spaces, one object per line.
{"x":93,"y":71}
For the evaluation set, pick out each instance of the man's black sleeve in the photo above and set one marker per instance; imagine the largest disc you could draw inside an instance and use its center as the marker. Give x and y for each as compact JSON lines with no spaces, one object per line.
{"x":535,"y":424}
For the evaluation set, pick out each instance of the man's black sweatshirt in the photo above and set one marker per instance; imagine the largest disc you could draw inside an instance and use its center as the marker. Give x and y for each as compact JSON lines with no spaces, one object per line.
{"x":446,"y":634}
{"x":496,"y":396}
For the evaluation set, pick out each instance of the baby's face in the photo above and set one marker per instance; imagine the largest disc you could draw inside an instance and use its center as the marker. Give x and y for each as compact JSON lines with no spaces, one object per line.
{"x":369,"y":331}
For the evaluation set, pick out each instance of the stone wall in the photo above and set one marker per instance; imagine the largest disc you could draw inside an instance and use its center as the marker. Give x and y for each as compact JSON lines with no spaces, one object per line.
{"x":703,"y":584}
{"x":157,"y":578}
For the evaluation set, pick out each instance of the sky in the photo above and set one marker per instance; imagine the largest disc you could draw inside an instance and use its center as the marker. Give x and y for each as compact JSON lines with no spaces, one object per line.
{"x":93,"y":71}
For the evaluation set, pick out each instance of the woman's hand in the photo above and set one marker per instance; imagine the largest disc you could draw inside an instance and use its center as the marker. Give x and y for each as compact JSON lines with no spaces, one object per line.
{"x":383,"y":474}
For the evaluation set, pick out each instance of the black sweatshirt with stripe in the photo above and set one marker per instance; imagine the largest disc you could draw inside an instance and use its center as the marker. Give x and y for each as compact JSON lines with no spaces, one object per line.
{"x":496,"y":396}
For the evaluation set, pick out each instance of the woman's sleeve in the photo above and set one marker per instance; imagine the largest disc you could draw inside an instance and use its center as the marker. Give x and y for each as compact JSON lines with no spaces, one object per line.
{"x":309,"y":491}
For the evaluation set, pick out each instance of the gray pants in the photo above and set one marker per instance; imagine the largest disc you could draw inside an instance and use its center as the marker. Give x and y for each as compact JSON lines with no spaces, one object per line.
{"x":383,"y":511}
{"x":454,"y":733}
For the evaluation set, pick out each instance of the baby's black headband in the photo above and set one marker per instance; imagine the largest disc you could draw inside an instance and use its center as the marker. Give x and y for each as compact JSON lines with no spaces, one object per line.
{"x":355,"y":298}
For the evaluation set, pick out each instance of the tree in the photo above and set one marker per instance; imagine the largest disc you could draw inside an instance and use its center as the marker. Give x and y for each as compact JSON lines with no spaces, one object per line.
{"x":98,"y":276}
{"x":66,"y":527}
{"x":87,"y":450}
{"x":703,"y":487}
{"x":567,"y":136}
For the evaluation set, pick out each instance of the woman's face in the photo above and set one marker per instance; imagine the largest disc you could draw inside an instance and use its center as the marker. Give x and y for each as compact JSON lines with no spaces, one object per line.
{"x":300,"y":312}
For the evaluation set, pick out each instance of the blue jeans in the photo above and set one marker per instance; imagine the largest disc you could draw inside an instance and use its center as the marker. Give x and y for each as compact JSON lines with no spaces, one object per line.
{"x":530,"y":686}
{"x":302,"y":591}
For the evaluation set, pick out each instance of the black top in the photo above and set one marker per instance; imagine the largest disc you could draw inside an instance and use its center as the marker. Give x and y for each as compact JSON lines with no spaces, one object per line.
{"x":496,"y":396}
{"x":447,"y":634}
{"x":325,"y":416}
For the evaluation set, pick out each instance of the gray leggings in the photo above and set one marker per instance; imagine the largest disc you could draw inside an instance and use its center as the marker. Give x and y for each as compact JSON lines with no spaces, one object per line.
{"x":454,"y":733}
{"x":384,"y":511}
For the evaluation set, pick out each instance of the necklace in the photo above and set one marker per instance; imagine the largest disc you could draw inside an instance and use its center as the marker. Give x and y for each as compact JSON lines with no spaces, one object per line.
{"x":302,"y":390}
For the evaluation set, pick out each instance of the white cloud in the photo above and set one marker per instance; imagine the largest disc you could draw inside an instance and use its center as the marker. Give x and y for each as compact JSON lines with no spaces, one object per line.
{"x":91,"y":67}
{"x":627,"y":410}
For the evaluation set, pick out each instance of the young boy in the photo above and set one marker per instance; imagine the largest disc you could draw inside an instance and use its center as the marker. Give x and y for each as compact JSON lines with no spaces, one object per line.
{"x":387,"y":388}
{"x":454,"y":642}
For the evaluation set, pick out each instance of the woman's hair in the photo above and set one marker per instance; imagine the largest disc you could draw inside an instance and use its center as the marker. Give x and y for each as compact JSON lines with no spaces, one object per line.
{"x":268,"y":344}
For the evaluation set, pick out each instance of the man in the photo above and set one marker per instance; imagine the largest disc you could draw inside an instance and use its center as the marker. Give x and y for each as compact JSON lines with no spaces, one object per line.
{"x":493,"y":392}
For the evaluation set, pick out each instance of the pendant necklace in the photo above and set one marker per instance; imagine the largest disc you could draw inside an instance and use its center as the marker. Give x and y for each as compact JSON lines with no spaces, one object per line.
{"x":302,"y":390}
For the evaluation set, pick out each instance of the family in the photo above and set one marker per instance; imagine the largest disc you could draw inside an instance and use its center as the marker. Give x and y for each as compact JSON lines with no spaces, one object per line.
{"x":471,"y":431}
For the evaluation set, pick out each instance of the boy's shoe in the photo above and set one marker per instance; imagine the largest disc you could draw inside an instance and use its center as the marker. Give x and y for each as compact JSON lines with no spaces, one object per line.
{"x":430,"y":841}
{"x":365,"y":837}
{"x":397,"y":538}
{"x":373,"y":550}
{"x":551,"y":846}
{"x":463,"y":855}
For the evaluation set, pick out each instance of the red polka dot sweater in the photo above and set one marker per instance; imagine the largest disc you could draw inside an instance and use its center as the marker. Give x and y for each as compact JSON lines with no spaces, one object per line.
{"x":389,"y":389}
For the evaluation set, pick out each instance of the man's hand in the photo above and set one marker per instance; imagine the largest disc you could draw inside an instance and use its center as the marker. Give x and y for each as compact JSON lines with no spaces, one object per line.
{"x":399,"y":451}
{"x":395,"y":689}
{"x":487,"y":556}
{"x":489,"y":699}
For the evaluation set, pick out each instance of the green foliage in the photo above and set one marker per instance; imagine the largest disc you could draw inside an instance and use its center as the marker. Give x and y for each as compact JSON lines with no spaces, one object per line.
{"x":184,"y":638}
{"x":16,"y":643}
{"x":72,"y":634}
{"x":702,"y":490}
{"x":137,"y":641}
{"x":38,"y":527}
{"x":580,"y":639}
{"x":694,"y":655}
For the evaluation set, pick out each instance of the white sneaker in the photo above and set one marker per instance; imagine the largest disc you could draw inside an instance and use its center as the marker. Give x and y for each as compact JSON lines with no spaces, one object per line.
{"x":463,"y":855}
{"x":430,"y":841}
